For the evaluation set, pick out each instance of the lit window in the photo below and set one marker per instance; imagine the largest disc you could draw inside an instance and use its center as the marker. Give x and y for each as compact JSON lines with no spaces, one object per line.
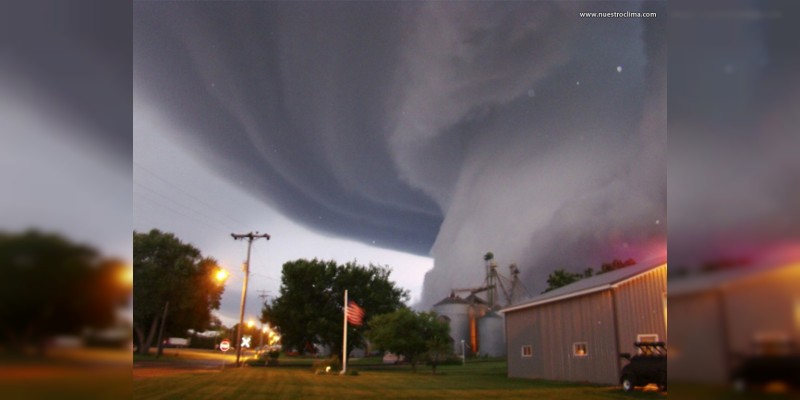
{"x":527,"y":351}
{"x":580,"y":349}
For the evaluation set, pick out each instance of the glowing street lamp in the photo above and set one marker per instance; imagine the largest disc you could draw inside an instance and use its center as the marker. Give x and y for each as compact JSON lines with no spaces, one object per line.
{"x":125,"y":275}
{"x":221,"y":276}
{"x":264,"y":329}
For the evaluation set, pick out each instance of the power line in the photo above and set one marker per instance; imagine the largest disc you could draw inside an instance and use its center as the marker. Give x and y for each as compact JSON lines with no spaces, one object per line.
{"x":190,"y":195}
{"x":173,"y":210}
{"x":199,"y":214}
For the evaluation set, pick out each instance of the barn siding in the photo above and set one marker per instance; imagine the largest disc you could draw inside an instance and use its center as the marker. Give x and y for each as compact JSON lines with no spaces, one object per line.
{"x":605,"y":320}
{"x":520,"y":332}
{"x":764,"y":304}
{"x":696,"y":349}
{"x":714,"y":325}
{"x":640,"y":307}
{"x":552,"y":329}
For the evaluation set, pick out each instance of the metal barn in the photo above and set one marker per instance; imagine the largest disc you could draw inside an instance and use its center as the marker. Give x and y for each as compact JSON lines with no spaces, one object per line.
{"x":722,"y":318}
{"x":576,"y":333}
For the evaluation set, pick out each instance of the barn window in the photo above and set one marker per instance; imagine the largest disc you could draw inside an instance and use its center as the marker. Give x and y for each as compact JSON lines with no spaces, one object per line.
{"x":580,"y":349}
{"x":527,"y":351}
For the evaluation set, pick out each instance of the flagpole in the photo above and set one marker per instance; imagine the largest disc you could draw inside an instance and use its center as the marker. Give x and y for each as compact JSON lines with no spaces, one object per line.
{"x":344,"y":344}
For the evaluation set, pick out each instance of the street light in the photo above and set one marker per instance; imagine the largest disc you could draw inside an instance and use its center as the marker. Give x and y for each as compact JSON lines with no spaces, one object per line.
{"x":221,"y":276}
{"x":264,"y":329}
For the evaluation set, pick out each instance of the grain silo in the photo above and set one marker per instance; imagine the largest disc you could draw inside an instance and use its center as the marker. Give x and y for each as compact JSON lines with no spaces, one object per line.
{"x":456,"y":311}
{"x":491,"y":331}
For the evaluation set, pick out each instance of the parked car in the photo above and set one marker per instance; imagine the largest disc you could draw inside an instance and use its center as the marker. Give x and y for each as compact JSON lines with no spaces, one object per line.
{"x":648,"y":365}
{"x":758,"y":371}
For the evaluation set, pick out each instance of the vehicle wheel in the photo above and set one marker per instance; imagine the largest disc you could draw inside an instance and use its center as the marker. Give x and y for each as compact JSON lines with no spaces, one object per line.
{"x":627,"y":383}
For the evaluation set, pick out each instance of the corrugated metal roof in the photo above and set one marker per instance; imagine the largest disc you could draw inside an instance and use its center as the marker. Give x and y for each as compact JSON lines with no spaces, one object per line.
{"x":692,"y":284}
{"x":594,"y":284}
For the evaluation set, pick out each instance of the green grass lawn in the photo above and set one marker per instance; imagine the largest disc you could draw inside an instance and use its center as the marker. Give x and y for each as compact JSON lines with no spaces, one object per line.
{"x":480,"y":380}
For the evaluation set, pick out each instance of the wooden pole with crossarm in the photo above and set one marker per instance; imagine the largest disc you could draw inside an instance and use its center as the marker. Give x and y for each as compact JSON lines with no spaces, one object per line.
{"x":250,"y":237}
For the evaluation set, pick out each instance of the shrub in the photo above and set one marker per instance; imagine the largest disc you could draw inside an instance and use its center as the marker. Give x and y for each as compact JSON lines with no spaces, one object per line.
{"x":451,"y":359}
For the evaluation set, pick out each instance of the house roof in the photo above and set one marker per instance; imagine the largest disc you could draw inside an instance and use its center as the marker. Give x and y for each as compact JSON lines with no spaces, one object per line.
{"x":597,"y":283}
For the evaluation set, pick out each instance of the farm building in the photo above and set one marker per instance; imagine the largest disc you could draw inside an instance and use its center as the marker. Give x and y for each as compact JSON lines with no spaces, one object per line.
{"x":576,"y":332}
{"x":456,"y":311}
{"x":473,"y":322}
{"x":722,"y":318}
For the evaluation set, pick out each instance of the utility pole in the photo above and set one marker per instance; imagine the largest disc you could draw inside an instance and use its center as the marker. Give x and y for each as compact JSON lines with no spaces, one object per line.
{"x":250,"y":237}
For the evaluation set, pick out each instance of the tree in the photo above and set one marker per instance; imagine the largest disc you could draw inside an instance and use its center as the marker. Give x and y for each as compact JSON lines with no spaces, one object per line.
{"x":309,"y":307}
{"x":411,"y":335}
{"x":439,"y":342}
{"x":171,"y":278}
{"x":616,"y":264}
{"x":51,"y":286}
{"x":559,"y":278}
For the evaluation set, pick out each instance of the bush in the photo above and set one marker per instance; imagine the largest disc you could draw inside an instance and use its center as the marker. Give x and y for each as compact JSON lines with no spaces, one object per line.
{"x":451,"y":359}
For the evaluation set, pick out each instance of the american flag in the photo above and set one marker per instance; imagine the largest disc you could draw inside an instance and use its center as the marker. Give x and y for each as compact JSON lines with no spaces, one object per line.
{"x":355,"y":314}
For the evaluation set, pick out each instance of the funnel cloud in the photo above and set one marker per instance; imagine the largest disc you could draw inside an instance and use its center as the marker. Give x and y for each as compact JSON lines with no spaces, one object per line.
{"x":448,"y":129}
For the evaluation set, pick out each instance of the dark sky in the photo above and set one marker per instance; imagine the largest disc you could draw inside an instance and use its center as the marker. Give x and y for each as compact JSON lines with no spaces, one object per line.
{"x":440,"y":128}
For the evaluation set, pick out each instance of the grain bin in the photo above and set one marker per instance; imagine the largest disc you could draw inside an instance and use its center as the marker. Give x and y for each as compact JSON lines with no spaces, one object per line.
{"x":491,"y":331}
{"x":456,"y":311}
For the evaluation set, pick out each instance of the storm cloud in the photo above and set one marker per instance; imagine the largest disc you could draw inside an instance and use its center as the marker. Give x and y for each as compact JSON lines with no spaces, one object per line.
{"x":438,"y":128}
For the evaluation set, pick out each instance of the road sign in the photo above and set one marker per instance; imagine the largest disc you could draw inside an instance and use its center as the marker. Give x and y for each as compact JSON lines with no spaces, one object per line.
{"x":225,"y":345}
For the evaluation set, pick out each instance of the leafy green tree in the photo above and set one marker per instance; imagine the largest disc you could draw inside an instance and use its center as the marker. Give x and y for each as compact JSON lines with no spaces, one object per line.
{"x":439,"y":342}
{"x":51,"y":286}
{"x":309,"y":307}
{"x":559,"y":278}
{"x":171,"y":276}
{"x":411,"y":335}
